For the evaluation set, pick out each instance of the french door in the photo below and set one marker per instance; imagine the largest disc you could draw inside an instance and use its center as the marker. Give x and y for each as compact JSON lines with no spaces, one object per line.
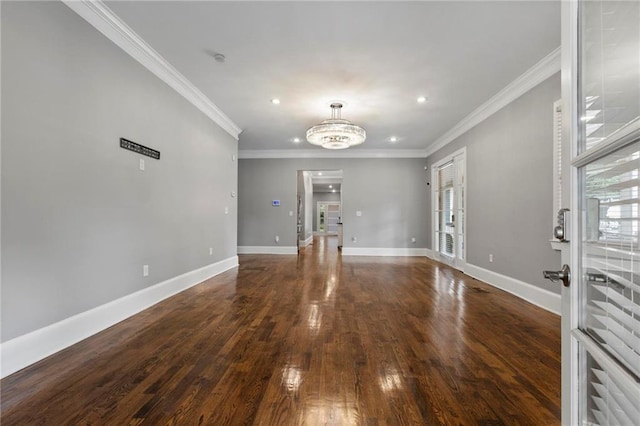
{"x":601,"y":307}
{"x":448,"y":177}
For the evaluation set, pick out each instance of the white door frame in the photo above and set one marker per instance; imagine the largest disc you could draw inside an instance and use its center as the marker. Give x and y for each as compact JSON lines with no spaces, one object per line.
{"x":569,"y":320}
{"x":458,"y":262}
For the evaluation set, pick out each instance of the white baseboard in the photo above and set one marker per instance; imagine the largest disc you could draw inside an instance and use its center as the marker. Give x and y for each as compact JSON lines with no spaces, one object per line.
{"x":304,"y":243}
{"x":536,"y":295}
{"x":428,"y":253}
{"x":267,"y":250}
{"x":29,"y":348}
{"x":374,"y":251}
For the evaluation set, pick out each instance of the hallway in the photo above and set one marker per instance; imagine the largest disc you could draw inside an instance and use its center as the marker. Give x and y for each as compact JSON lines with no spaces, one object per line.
{"x":310,"y":339}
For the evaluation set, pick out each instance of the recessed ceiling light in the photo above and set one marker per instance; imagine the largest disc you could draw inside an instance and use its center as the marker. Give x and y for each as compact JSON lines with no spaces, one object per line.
{"x":330,"y":186}
{"x":319,"y":173}
{"x":393,"y":139}
{"x":333,"y":190}
{"x":219,"y":57}
{"x":422,"y":99}
{"x":296,"y":140}
{"x":275,"y":101}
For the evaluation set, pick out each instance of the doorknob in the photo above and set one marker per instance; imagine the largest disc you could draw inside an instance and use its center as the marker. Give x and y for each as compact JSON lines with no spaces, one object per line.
{"x":563,"y":275}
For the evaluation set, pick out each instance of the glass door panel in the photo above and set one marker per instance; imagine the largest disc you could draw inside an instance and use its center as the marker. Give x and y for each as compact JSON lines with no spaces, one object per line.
{"x":333,"y":217}
{"x":445,"y":210}
{"x":610,"y":292}
{"x":449,"y":210}
{"x":608,"y":331}
{"x":610,"y":69}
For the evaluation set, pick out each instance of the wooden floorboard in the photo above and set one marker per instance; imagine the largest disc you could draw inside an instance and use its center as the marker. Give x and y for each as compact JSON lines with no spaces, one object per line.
{"x":310,"y":339}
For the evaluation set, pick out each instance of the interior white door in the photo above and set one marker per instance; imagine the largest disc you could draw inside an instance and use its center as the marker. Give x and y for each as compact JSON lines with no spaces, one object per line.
{"x":601,"y":308}
{"x":448,"y":176}
{"x":328,"y":216}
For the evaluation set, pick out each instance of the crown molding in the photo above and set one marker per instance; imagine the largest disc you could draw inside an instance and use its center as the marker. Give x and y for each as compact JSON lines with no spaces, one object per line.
{"x":108,"y":23}
{"x":327,"y":153}
{"x":535,"y":75}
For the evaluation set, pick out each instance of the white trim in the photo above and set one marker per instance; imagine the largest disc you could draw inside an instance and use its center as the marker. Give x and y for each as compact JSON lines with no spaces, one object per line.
{"x":327,"y":153}
{"x":428,"y":253}
{"x":541,"y":71}
{"x":375,"y":251}
{"x":267,"y":250}
{"x":572,"y":383}
{"x":96,"y":13}
{"x":304,"y":243}
{"x":29,"y":348}
{"x":616,"y":140}
{"x":536,"y":295}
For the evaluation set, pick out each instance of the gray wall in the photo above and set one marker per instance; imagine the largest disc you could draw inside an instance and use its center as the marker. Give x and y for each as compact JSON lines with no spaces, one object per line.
{"x":78,"y":218}
{"x":318,"y":197}
{"x":509,"y":187}
{"x":393,"y":201}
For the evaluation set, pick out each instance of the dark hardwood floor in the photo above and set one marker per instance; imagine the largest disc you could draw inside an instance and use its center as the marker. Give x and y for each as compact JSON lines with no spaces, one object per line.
{"x":309,"y":339}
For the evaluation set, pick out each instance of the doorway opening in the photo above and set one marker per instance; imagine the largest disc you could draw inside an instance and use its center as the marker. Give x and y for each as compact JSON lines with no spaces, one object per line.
{"x":449,"y":203}
{"x":319,"y":205}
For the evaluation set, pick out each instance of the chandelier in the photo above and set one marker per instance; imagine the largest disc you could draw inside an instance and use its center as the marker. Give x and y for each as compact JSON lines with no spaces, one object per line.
{"x":336,"y":133}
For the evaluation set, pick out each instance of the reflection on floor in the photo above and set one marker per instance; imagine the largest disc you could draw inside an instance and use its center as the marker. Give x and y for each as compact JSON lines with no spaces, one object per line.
{"x":317,"y":338}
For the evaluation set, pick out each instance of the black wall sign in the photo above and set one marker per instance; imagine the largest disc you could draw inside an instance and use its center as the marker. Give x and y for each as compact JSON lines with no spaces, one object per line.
{"x":140,"y":149}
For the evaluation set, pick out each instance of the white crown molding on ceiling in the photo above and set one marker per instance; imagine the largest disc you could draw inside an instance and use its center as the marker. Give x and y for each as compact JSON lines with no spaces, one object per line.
{"x":328,"y":153}
{"x":108,"y":23}
{"x":541,"y":71}
{"x":535,"y":75}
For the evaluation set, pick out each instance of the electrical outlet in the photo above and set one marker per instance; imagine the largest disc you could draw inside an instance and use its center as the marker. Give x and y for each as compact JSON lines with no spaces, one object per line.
{"x":290,"y":212}
{"x":491,"y":257}
{"x":354,"y":239}
{"x":413,"y":240}
{"x":226,"y":210}
{"x":358,"y":213}
{"x":145,"y":270}
{"x":277,"y":239}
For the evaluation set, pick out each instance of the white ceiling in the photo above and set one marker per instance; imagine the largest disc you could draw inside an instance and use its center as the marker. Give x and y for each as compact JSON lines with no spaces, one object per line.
{"x":326,"y":180}
{"x":378,"y":57}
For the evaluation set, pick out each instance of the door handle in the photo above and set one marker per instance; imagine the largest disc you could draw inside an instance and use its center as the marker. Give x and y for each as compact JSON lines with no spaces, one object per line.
{"x":563,"y":275}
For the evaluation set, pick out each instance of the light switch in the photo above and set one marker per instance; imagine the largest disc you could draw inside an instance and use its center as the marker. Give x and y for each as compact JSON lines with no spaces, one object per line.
{"x":233,"y":193}
{"x":226,"y":210}
{"x":142,"y":164}
{"x":145,"y":270}
{"x":290,"y":212}
{"x":358,"y":213}
{"x":233,"y":157}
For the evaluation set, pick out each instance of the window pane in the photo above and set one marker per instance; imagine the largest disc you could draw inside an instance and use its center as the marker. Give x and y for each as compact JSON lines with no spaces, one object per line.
{"x":610,"y":255}
{"x":610,"y":74}
{"x":607,"y":400}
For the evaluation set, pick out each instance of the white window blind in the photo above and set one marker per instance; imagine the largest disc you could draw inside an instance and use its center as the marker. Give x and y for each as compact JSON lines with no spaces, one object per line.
{"x":557,"y":160}
{"x":613,"y":398}
{"x":611,"y":259}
